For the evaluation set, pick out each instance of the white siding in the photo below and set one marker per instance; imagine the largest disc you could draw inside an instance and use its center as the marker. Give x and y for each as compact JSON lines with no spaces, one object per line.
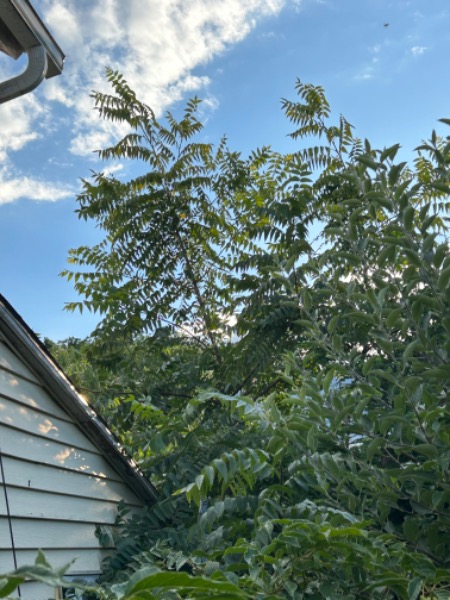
{"x":87,"y":563}
{"x":28,"y":502}
{"x":33,"y":421}
{"x":38,"y":533}
{"x":27,"y":393}
{"x":32,"y":590}
{"x":9,"y":361}
{"x":61,"y":480}
{"x":19,"y":443}
{"x":58,"y":483}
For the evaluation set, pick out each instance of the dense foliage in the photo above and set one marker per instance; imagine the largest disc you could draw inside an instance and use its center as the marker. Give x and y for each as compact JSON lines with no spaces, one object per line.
{"x":274,"y":351}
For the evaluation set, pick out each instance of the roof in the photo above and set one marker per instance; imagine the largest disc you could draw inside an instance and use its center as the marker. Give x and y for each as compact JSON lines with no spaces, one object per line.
{"x":25,"y":342}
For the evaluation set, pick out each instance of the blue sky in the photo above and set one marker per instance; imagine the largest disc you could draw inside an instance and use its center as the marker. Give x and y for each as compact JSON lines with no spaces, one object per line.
{"x":241,"y":56}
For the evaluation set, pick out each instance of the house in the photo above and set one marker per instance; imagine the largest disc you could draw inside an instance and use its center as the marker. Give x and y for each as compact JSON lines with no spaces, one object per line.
{"x":61,"y":470}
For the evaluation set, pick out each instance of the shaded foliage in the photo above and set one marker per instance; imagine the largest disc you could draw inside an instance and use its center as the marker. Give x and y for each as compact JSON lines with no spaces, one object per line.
{"x":315,"y":423}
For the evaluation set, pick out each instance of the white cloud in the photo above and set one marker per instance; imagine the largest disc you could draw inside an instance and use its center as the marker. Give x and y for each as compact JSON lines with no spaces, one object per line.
{"x":14,"y":188}
{"x":365,"y":75}
{"x":159,"y":46}
{"x":371,"y":68}
{"x":18,"y":121}
{"x":367,"y":71}
{"x":114,"y":168}
{"x":156,"y":45}
{"x":85,"y":143}
{"x":54,"y":91}
{"x":418,"y":50}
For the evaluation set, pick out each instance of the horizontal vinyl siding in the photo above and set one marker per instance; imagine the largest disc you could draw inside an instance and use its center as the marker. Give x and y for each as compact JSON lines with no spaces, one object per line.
{"x":87,"y":563}
{"x":21,"y":444}
{"x":33,"y":590}
{"x":58,"y":480}
{"x":30,"y":394}
{"x":9,"y":361}
{"x":27,"y":502}
{"x":7,"y":561}
{"x":31,"y":534}
{"x":36,"y":422}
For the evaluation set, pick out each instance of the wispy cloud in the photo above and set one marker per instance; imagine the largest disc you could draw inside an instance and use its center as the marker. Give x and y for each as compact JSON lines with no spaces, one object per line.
{"x":16,"y":187}
{"x":369,"y":70}
{"x":382,"y":57}
{"x":418,"y":50}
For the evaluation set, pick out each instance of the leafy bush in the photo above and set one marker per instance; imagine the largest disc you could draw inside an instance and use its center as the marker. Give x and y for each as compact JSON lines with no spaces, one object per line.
{"x":316,"y":426}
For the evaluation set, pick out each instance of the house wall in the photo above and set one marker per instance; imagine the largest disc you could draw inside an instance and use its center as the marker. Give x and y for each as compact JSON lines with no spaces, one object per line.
{"x":58,"y":484}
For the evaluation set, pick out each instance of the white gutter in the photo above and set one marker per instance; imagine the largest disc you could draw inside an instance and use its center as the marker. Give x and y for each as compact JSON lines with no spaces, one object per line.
{"x":22,"y":31}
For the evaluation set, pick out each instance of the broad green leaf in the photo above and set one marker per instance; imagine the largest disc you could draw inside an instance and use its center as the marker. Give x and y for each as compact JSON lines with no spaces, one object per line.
{"x":444,"y":279}
{"x":408,"y":216}
{"x":384,"y":375}
{"x":414,"y":588}
{"x":328,"y":380}
{"x":428,"y":450}
{"x":411,"y":529}
{"x":440,"y":253}
{"x":387,"y":254}
{"x":393,"y":317}
{"x":374,"y":446}
{"x":394,"y":173}
{"x":311,"y":438}
{"x":209,"y":472}
{"x":144,"y":581}
{"x":411,"y":348}
{"x":333,"y":323}
{"x":9,"y":584}
{"x":442,"y":594}
{"x":221,"y":468}
{"x":441,"y":187}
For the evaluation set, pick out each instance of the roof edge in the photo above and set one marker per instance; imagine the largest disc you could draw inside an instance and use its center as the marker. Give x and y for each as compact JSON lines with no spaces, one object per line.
{"x":35,"y":32}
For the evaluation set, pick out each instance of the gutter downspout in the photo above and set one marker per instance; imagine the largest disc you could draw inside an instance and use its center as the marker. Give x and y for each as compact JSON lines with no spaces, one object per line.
{"x":32,"y":76}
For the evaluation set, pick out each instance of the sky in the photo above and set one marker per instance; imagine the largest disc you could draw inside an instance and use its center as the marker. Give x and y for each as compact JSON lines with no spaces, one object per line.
{"x":241,"y":56}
